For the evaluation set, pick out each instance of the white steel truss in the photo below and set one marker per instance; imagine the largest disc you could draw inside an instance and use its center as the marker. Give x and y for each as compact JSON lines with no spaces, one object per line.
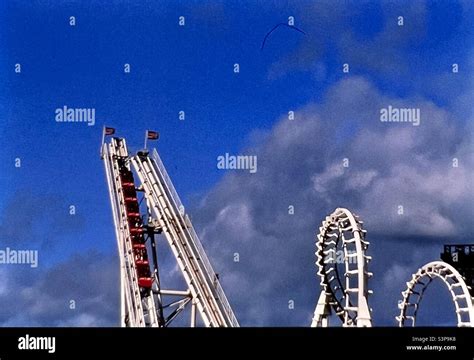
{"x":345,"y":290}
{"x":460,"y":293}
{"x":142,"y":298}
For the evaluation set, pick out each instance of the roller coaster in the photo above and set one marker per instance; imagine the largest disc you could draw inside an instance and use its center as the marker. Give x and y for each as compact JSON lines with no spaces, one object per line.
{"x":456,"y":272}
{"x":344,"y":286}
{"x":146,"y":207}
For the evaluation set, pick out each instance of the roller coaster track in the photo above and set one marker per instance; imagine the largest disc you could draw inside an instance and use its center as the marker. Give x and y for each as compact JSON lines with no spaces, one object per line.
{"x":345,"y":290}
{"x":142,"y":298}
{"x":460,"y":293}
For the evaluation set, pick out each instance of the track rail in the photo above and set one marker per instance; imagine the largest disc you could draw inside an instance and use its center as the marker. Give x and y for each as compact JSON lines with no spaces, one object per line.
{"x":138,"y":303}
{"x":161,"y":172}
{"x":344,"y":289}
{"x":141,"y":293}
{"x":460,"y":293}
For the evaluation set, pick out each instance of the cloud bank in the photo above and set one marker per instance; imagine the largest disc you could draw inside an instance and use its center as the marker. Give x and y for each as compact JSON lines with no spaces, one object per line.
{"x":301,"y":164}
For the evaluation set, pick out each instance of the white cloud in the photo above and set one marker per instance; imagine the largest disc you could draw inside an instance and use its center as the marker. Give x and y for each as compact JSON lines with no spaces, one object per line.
{"x":300,"y":164}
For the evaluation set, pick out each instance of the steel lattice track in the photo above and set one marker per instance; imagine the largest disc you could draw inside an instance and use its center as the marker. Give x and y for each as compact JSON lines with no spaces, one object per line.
{"x":460,"y":293}
{"x":345,"y":290}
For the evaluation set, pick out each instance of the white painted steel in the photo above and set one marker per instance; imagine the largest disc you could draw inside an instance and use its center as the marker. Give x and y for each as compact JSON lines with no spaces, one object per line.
{"x":168,"y":216}
{"x":455,"y":283}
{"x":344,"y":294}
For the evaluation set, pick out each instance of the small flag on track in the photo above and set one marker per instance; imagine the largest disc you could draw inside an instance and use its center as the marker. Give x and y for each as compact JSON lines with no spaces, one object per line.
{"x":109,"y":131}
{"x":105,"y":132}
{"x":152,"y":135}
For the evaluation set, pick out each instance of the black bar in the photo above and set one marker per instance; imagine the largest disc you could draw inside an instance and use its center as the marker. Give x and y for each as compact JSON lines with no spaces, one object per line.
{"x":327,"y":343}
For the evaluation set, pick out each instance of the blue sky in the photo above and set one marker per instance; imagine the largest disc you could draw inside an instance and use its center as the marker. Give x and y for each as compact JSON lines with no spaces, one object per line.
{"x":190,"y":69}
